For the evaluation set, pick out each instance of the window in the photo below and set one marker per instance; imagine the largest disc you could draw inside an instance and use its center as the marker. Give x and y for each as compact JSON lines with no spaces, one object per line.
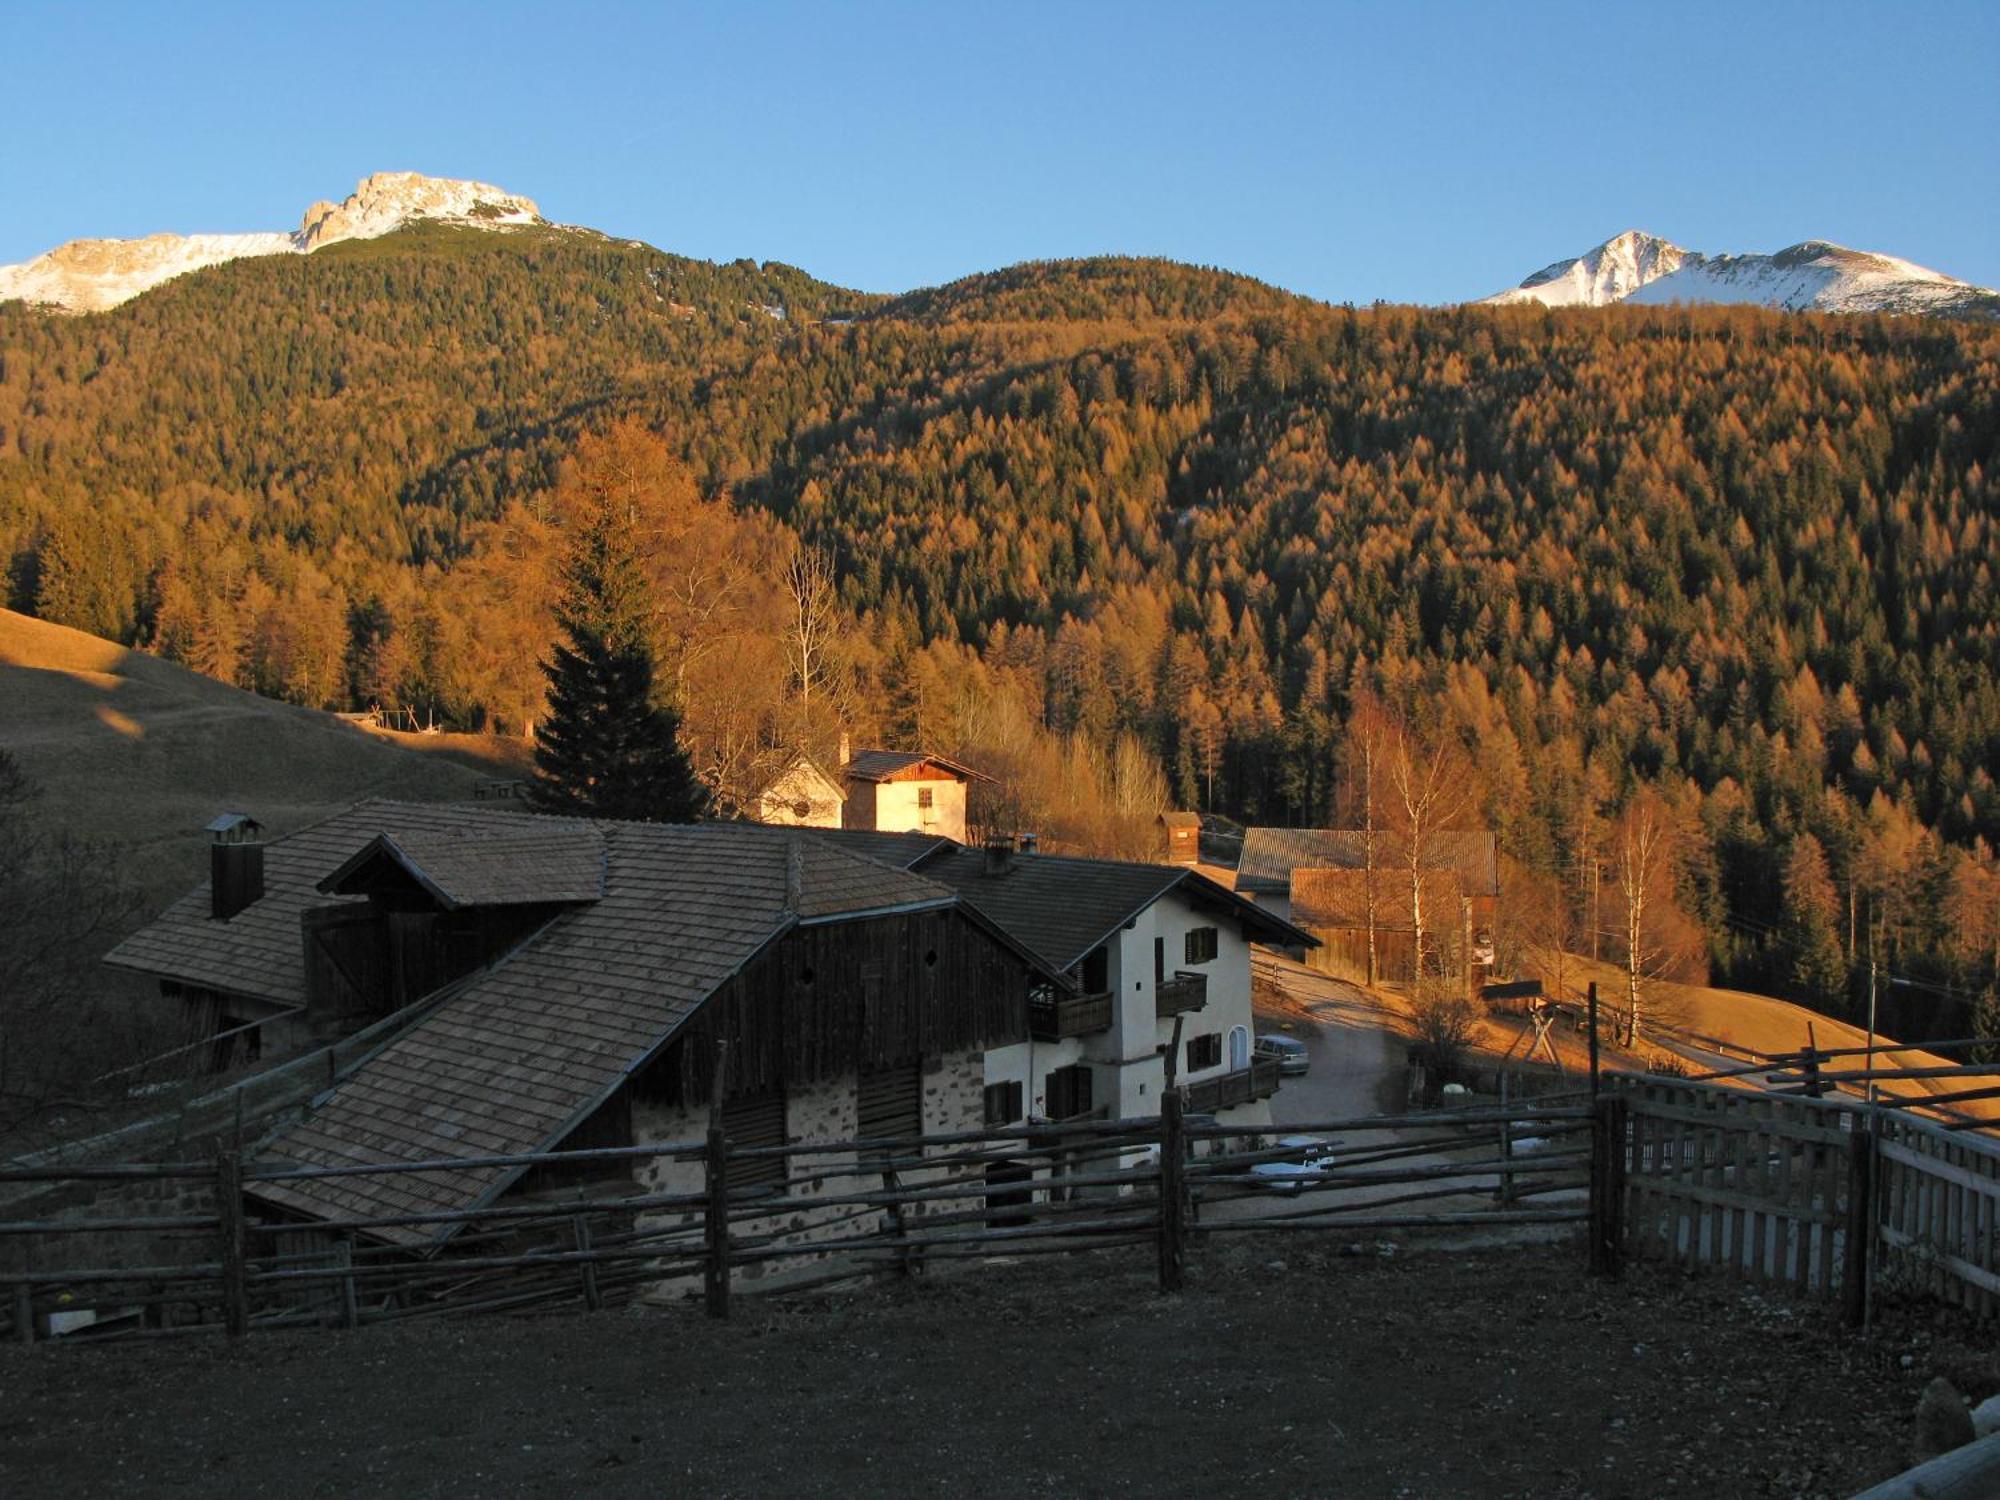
{"x":926,"y":811}
{"x":1003,"y":1103}
{"x":1200,"y":945}
{"x":924,"y":796}
{"x":754,"y":1120}
{"x":1067,"y":1092}
{"x":1096,"y":971}
{"x":1204,"y":1052}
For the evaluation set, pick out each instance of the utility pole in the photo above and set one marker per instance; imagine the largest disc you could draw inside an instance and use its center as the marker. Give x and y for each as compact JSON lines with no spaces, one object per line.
{"x":1465,"y":941}
{"x":1871,"y":1028}
{"x":1596,"y":881}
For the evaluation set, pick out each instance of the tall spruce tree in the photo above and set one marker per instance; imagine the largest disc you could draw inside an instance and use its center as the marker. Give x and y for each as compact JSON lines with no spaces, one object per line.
{"x":606,"y":748}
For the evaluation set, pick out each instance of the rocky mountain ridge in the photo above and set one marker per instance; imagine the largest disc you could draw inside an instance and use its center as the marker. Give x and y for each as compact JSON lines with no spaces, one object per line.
{"x":91,"y":275}
{"x":1812,"y":276}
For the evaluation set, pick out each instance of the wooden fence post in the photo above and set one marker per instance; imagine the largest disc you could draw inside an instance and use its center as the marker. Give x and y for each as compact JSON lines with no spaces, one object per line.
{"x":1607,"y":1186}
{"x":898,"y":1226}
{"x":579,"y":1226}
{"x":715,"y":1172}
{"x":229,"y":1209}
{"x":715,"y":1268}
{"x":1173,"y":1191}
{"x":1860,"y":1227}
{"x":350,"y":1304}
{"x":1504,"y":1193}
{"x":1593,"y":1042}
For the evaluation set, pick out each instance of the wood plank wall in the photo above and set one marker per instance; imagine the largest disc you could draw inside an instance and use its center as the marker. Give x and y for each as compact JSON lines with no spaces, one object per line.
{"x":1758,"y":1186}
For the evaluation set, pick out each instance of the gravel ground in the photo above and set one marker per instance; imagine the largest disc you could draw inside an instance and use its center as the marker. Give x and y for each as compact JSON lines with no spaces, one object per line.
{"x":1297,"y":1367}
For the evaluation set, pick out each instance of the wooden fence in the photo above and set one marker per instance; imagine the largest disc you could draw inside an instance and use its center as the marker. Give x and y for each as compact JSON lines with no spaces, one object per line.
{"x":786,"y":1217}
{"x":1937,"y":1212}
{"x":1825,"y":1195}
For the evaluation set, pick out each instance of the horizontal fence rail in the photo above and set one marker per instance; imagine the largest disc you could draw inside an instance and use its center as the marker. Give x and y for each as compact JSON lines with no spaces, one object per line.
{"x":177,"y":1248}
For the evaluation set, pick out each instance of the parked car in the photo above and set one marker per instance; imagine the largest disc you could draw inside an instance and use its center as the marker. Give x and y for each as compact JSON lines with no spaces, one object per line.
{"x":1288,"y":1052}
{"x":1306,"y":1157}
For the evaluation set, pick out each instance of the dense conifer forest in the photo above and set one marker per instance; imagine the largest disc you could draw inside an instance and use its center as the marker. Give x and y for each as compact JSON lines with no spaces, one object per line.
{"x":1123,"y":521}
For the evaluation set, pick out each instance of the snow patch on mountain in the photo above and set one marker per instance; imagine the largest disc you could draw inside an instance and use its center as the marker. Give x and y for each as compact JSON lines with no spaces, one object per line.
{"x":1610,"y":273}
{"x":1819,"y":277}
{"x":92,"y":275}
{"x":1813,"y":276}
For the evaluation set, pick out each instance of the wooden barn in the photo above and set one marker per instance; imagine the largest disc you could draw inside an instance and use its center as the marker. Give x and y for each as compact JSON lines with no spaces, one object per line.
{"x":581,"y":975}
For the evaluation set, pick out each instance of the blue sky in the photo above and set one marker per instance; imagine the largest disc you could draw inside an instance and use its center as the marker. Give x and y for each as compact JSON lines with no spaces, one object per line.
{"x":1413,"y":152}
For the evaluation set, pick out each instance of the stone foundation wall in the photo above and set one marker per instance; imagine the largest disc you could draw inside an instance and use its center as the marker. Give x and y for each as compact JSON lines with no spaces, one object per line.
{"x":952,"y":1101}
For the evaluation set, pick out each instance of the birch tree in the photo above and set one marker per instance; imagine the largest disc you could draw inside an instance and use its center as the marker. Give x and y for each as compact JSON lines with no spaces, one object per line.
{"x":814,"y":618}
{"x":1364,"y":747}
{"x":1647,"y":849}
{"x":1431,"y":788}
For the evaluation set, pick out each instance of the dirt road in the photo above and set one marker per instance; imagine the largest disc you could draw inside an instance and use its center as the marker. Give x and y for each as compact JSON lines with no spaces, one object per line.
{"x":1356,"y":1053}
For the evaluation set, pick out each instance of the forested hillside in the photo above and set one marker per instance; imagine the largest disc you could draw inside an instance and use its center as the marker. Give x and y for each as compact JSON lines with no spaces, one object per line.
{"x":1149,"y":512}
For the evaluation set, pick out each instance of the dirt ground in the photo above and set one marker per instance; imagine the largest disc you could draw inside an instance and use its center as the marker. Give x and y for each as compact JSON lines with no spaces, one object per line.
{"x":1289,"y":1367}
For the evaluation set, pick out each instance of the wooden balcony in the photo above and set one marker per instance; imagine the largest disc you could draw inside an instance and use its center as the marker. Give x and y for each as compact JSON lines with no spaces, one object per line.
{"x":1258,"y":1081}
{"x":1068,"y":1015}
{"x":1184,"y":992}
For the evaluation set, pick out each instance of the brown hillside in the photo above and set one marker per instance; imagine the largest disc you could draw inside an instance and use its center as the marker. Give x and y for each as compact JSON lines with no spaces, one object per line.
{"x":141,"y":753}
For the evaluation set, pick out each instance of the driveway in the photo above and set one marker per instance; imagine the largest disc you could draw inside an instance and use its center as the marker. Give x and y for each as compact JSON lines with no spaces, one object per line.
{"x":1351,"y":1038}
{"x":1356,"y":1049}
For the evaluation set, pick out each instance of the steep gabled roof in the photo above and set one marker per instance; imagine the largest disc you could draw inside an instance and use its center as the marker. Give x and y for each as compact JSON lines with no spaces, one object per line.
{"x":516,"y":1059}
{"x":903,"y":851}
{"x":1271,"y":854}
{"x":480,"y":865}
{"x":892,"y":765}
{"x":803,"y":765}
{"x":258,"y":952}
{"x":1062,"y":907}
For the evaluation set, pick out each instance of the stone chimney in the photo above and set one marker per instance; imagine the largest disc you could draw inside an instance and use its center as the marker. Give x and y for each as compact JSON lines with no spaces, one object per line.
{"x":235,"y":864}
{"x":999,"y":853}
{"x":1031,"y":843}
{"x":845,"y":754}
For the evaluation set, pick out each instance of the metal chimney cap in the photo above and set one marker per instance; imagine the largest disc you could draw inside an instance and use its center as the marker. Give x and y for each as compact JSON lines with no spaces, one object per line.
{"x":234,"y":828}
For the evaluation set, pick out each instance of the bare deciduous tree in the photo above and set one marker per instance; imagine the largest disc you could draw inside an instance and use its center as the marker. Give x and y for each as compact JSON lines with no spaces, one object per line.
{"x":815,"y":616}
{"x":1431,"y":788}
{"x":1648,"y":850}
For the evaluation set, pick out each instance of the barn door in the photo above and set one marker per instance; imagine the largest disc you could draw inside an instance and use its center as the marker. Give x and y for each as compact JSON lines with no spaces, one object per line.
{"x":347,"y":962}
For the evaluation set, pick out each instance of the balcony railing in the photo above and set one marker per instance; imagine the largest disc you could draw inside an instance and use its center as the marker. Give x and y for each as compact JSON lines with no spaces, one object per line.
{"x":1184,"y":992}
{"x":1240,"y":1086}
{"x":1068,"y":1015}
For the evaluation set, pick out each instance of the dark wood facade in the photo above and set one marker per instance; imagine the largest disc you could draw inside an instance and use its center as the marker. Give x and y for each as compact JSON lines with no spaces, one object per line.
{"x":860,"y":996}
{"x":365,"y":960}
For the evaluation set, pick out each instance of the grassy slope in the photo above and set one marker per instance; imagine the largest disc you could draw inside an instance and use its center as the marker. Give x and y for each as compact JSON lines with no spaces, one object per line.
{"x":141,"y":753}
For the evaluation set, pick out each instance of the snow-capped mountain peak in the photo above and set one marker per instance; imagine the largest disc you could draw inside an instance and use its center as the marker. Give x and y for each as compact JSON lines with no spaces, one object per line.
{"x":1812,"y":276}
{"x":387,"y":201}
{"x":91,"y":275}
{"x":1613,"y":271}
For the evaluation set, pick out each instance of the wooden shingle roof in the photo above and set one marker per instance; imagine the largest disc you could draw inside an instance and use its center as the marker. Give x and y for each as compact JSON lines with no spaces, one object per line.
{"x":520,"y":1055}
{"x":1061,"y":907}
{"x":542,"y":861}
{"x":258,"y":952}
